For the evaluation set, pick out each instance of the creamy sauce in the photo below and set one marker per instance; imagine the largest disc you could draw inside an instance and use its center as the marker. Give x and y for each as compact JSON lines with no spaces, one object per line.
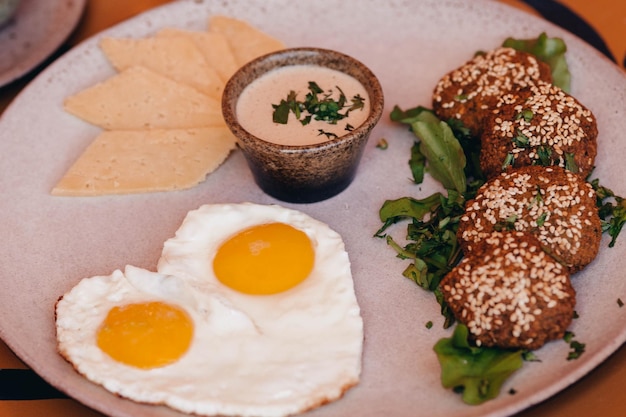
{"x":254,"y":107}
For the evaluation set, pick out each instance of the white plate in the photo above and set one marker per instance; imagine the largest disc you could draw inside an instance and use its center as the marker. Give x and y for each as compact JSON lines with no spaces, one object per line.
{"x":49,"y":243}
{"x":36,"y":30}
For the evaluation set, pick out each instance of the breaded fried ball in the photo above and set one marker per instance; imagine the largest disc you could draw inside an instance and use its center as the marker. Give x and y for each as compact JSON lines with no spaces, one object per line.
{"x":469,"y":92}
{"x":555,"y":205}
{"x":510,"y":293}
{"x":541,"y":125}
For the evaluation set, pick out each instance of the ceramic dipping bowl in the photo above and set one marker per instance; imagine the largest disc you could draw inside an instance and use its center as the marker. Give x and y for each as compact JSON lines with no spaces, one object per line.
{"x":303,"y":173}
{"x":7,"y":10}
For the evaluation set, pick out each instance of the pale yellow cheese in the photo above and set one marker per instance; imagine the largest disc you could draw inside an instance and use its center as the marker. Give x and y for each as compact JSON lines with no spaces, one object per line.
{"x":138,"y":98}
{"x":246,"y":41}
{"x":122,"y":162}
{"x":176,"y":57}
{"x":214,"y":46}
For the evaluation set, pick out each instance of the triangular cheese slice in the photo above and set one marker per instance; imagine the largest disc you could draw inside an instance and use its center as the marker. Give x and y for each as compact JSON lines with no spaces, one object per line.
{"x":175,"y":57}
{"x":138,"y":98}
{"x":213,"y":46}
{"x":122,"y":162}
{"x":246,"y":41}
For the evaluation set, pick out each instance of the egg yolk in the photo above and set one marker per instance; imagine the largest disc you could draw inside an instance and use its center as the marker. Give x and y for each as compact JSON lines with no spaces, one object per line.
{"x":146,"y":335}
{"x":265,"y":259}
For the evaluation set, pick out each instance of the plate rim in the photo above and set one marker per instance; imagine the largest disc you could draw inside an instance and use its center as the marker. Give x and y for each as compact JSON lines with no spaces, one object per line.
{"x":580,"y":372}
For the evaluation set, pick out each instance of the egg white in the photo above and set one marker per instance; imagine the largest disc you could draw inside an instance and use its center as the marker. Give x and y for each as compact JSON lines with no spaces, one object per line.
{"x":309,"y":346}
{"x":251,"y":355}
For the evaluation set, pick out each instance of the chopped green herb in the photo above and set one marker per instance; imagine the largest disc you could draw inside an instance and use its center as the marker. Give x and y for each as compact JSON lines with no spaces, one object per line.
{"x":542,"y":219}
{"x":314,"y":88}
{"x":512,"y":391}
{"x":382,"y":144}
{"x":544,"y":153}
{"x":508,"y":161}
{"x":611,"y":209}
{"x":358,"y":103}
{"x":576,"y":316}
{"x":570,"y":163}
{"x":620,"y":302}
{"x":577,"y":350}
{"x":525,"y":114}
{"x":429,"y":324}
{"x":318,"y":104}
{"x":329,"y":135}
{"x":281,"y":110}
{"x":507,"y":224}
{"x":530,"y":356}
{"x":475,"y":372}
{"x":521,"y":140}
{"x":568,"y":336}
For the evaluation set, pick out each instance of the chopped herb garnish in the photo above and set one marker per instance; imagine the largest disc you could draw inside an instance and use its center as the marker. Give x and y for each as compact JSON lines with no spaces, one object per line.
{"x":576,"y":316}
{"x":358,"y":103}
{"x":620,"y":303}
{"x":508,"y":161}
{"x":318,"y":105}
{"x":281,"y":110}
{"x":570,"y":163}
{"x":329,"y":135}
{"x":382,"y":144}
{"x":507,"y":224}
{"x":512,"y":391}
{"x":542,"y":219}
{"x":525,"y":114}
{"x":530,"y":356}
{"x":429,"y":324}
{"x":521,"y":140}
{"x":577,"y":347}
{"x":544,"y":153}
{"x":612,"y":210}
{"x":577,"y":350}
{"x":568,"y":336}
{"x":314,"y":88}
{"x":537,"y":199}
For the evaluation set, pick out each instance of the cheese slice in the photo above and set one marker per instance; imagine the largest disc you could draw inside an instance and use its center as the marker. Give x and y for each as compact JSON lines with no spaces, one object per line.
{"x":175,"y":57}
{"x":246,"y":41}
{"x":122,"y":162}
{"x":138,"y":98}
{"x":213,"y":46}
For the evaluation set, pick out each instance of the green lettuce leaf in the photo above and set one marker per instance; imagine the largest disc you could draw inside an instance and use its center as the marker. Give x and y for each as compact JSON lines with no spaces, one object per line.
{"x":549,"y":50}
{"x":477,"y":372}
{"x":435,"y":145}
{"x":442,"y":150}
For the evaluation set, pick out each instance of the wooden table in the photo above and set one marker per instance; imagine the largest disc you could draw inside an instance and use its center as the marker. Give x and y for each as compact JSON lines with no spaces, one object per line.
{"x":599,"y":393}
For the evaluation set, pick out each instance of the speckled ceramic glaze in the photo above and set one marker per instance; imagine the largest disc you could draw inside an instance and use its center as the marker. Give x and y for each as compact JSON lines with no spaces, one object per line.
{"x":33,"y":32}
{"x":7,"y":9}
{"x":310,"y":173}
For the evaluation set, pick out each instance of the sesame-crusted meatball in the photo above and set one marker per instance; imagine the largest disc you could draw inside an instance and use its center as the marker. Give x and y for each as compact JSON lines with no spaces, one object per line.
{"x":554,"y":204}
{"x":469,"y":92}
{"x":542,"y":125}
{"x":510,"y":293}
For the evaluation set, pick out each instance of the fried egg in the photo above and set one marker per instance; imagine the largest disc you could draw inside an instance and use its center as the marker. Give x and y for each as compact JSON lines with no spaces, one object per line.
{"x":251,"y":312}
